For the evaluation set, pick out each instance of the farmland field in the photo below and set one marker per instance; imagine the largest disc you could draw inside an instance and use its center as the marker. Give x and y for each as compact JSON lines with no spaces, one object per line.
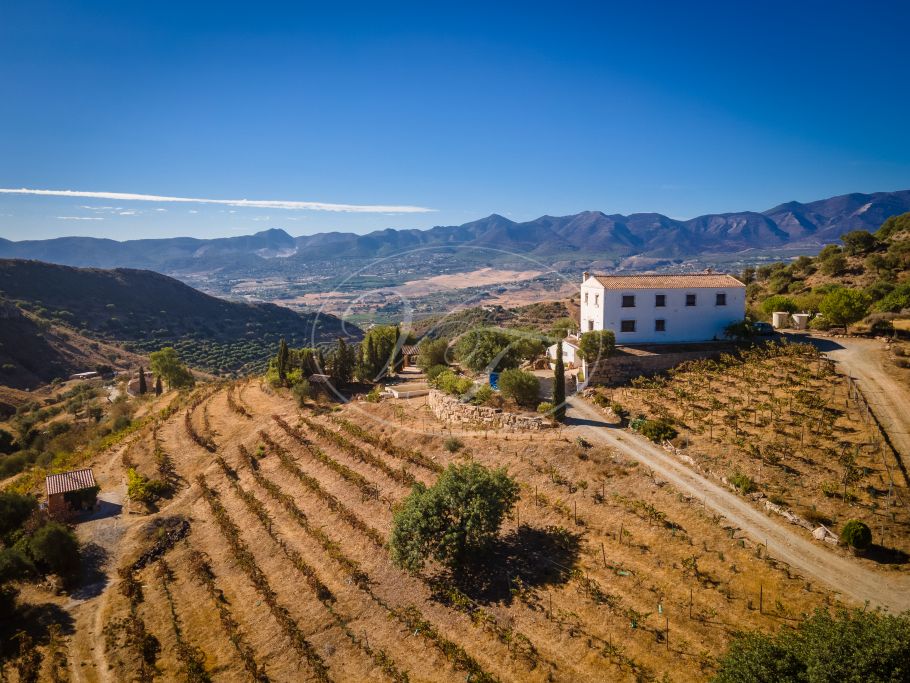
{"x":269,"y":562}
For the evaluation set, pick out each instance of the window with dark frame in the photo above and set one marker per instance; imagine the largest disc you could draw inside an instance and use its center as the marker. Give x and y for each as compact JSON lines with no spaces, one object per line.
{"x":628,"y":301}
{"x":660,"y":325}
{"x":721,"y":299}
{"x":627,"y":326}
{"x":660,"y":300}
{"x":690,"y":299}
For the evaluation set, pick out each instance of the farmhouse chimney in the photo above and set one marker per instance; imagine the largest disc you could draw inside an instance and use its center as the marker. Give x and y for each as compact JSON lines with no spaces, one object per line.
{"x":584,"y":276}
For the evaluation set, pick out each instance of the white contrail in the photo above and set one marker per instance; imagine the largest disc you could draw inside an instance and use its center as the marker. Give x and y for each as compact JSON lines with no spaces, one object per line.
{"x":250,"y":203}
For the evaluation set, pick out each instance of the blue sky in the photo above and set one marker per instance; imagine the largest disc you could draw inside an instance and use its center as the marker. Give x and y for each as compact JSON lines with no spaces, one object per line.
{"x":387,"y":109}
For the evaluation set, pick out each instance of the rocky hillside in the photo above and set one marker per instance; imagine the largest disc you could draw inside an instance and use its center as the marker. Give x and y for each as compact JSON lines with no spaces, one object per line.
{"x":873,"y":266}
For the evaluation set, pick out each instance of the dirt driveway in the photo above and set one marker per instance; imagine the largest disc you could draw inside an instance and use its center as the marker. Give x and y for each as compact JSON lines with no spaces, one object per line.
{"x":854,"y":582}
{"x":864,"y":360}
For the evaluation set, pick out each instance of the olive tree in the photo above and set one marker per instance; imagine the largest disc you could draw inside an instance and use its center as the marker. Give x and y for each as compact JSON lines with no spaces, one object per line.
{"x":453,"y":519}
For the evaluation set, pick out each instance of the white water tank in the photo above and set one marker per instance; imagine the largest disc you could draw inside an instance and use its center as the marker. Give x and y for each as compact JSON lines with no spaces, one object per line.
{"x":780,"y":320}
{"x":801,"y":321}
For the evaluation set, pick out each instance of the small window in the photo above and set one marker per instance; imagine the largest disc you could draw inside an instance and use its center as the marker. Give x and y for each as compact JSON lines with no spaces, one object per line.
{"x":660,"y":325}
{"x":590,"y":326}
{"x":721,"y":299}
{"x":586,"y":297}
{"x":627,"y":326}
{"x":597,"y":299}
{"x":690,"y":299}
{"x":660,"y":300}
{"x":628,"y":301}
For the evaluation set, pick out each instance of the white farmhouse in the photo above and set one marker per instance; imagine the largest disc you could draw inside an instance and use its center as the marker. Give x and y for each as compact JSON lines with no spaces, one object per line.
{"x":662,"y":309}
{"x":569,"y":352}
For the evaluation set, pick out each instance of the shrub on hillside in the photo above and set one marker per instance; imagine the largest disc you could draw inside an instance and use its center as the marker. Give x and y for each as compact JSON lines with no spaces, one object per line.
{"x":521,"y":387}
{"x":856,"y":535}
{"x":743,"y":483}
{"x":54,"y":548}
{"x":435,"y":371}
{"x":483,"y":395}
{"x":545,"y":407}
{"x":657,"y":431}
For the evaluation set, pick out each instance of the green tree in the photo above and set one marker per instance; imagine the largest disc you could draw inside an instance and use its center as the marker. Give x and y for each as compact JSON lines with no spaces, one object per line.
{"x":14,"y":510}
{"x":158,"y":388}
{"x":896,"y":300}
{"x":520,"y":386}
{"x":454,"y":519}
{"x":856,"y":645}
{"x":54,"y":548}
{"x":856,"y":534}
{"x":487,"y":350}
{"x":563,"y":327}
{"x":380,"y":353}
{"x":596,"y":345}
{"x":778,"y":303}
{"x":341,"y":363}
{"x":6,"y":442}
{"x":432,"y":352}
{"x":559,"y":385}
{"x":143,"y":387}
{"x":836,"y":264}
{"x":844,"y":306}
{"x":858,"y":242}
{"x":894,"y":225}
{"x":281,"y":361}
{"x":166,"y":363}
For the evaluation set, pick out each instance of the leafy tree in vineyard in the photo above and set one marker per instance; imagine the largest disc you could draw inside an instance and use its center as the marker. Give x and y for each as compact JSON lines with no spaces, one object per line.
{"x":143,"y":387}
{"x":596,"y":345}
{"x":454,"y":519}
{"x":341,"y":363}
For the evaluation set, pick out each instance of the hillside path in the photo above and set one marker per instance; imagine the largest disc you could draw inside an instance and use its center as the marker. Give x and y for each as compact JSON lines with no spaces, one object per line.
{"x":853,"y":581}
{"x":864,"y":361}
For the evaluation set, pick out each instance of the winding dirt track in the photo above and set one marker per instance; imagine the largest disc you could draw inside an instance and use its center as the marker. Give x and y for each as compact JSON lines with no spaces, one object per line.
{"x":863,"y":360}
{"x":852,"y":581}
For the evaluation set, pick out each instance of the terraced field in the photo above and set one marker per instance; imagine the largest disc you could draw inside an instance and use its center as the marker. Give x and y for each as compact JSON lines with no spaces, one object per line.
{"x":280,"y":572}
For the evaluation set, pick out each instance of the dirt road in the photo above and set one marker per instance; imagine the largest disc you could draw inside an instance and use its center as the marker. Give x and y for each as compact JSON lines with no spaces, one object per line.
{"x":864,"y":360}
{"x":854,"y":582}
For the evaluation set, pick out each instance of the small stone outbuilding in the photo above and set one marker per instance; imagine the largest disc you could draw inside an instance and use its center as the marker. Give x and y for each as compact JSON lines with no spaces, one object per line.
{"x":71,"y":492}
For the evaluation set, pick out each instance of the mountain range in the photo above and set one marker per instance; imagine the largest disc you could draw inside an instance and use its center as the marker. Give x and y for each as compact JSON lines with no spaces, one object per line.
{"x":588,"y":235}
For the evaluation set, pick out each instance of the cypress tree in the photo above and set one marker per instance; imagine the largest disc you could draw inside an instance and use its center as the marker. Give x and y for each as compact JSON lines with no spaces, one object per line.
{"x":158,"y":388}
{"x":559,"y":385}
{"x":282,"y":360}
{"x":143,"y":387}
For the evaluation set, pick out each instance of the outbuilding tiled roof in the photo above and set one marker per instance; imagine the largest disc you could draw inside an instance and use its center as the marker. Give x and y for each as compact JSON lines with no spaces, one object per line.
{"x":691,"y":281}
{"x":69,"y":481}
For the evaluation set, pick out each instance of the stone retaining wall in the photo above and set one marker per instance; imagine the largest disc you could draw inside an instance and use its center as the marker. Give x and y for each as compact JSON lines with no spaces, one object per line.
{"x":626,"y":363}
{"x":450,"y":409}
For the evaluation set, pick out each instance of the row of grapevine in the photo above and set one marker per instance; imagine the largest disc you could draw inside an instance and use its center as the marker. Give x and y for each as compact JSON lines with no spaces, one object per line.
{"x":331,"y":548}
{"x":388,"y":445}
{"x":130,"y":633}
{"x":247,"y":562}
{"x":202,"y":441}
{"x":313,"y":485}
{"x":201,"y":570}
{"x":255,"y":506}
{"x":402,"y":476}
{"x":323,"y":594}
{"x":367,"y":489}
{"x":191,"y":657}
{"x":234,"y":405}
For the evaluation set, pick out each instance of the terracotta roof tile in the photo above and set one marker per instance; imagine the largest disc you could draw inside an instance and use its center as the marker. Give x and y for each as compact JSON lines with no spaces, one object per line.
{"x":69,"y":481}
{"x":691,"y":281}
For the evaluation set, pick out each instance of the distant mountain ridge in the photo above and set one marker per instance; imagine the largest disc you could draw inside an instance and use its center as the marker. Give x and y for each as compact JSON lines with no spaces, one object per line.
{"x":590,"y":234}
